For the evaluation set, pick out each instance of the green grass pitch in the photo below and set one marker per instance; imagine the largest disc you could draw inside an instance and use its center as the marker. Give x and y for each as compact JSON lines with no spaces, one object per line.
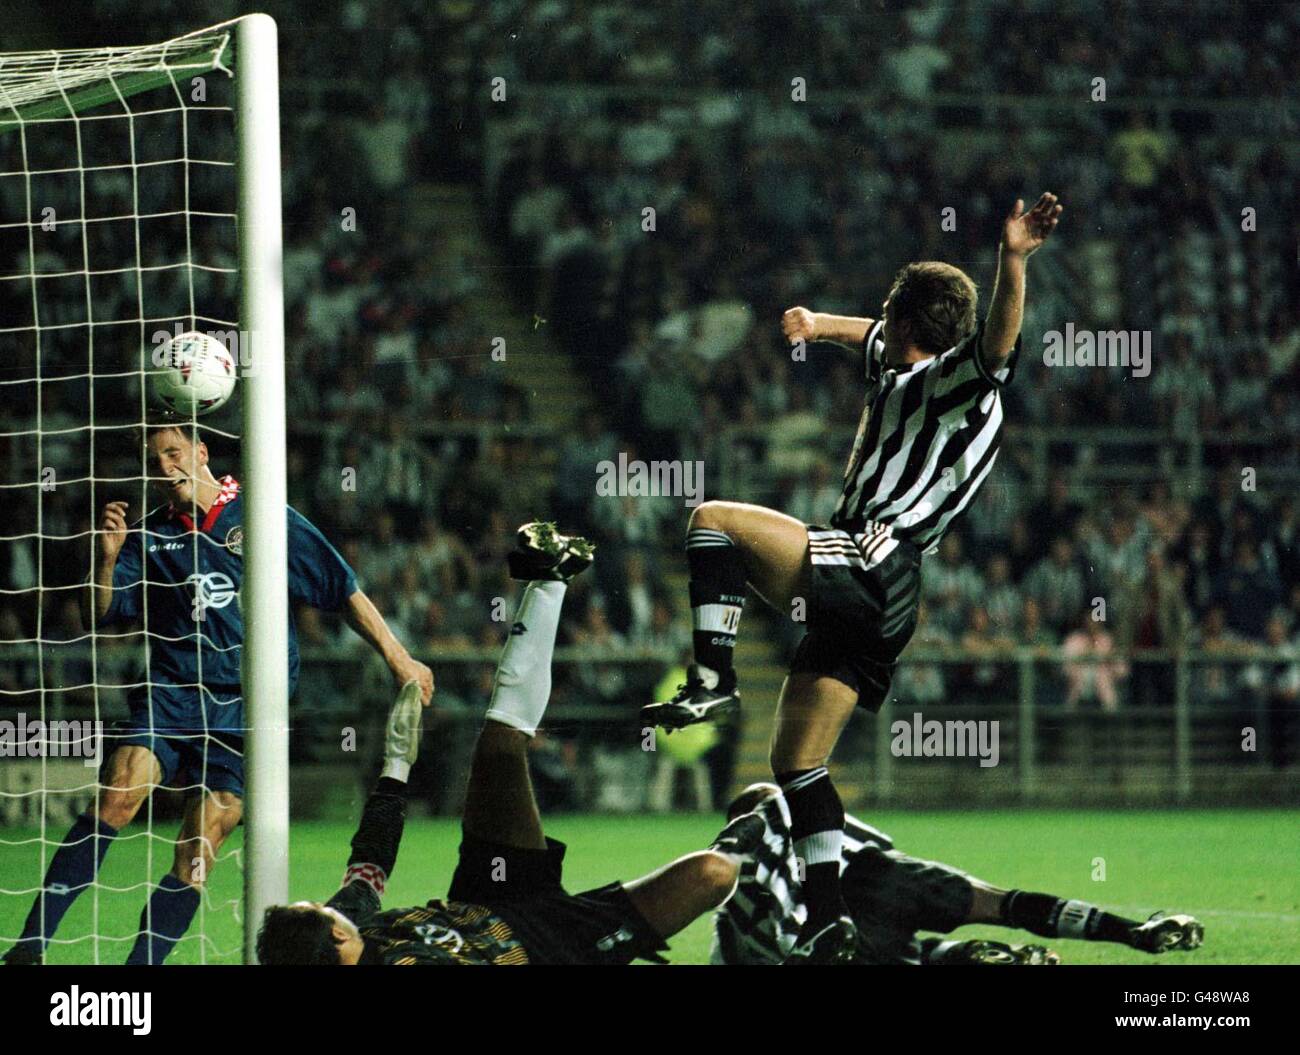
{"x":1236,"y":870}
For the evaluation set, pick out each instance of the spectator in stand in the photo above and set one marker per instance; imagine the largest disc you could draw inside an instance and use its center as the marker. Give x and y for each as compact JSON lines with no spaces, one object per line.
{"x":1057,"y":585}
{"x":918,"y":684}
{"x":1091,"y":677}
{"x":1195,"y":553}
{"x":1032,"y":632}
{"x":1216,"y":684}
{"x":1246,"y":592}
{"x":1002,"y":599}
{"x":1284,"y":542}
{"x":441,"y":560}
{"x":949,"y":586}
{"x":1055,"y":516}
{"x":984,"y":681}
{"x":1153,"y":614}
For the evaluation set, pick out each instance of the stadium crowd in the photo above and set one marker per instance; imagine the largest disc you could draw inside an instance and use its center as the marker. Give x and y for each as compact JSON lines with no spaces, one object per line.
{"x":760,"y":202}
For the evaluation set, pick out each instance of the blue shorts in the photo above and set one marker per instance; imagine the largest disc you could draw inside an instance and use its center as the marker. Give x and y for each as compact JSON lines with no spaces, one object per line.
{"x":212,"y":761}
{"x":195,"y":745}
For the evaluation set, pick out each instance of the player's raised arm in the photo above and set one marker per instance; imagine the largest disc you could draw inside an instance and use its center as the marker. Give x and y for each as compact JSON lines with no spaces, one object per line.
{"x":320,"y":577}
{"x":109,"y":540}
{"x":1022,"y":234}
{"x":364,"y":618}
{"x":800,"y":324}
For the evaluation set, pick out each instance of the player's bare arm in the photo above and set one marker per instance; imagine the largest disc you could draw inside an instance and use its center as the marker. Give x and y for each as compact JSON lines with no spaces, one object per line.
{"x":364,"y":618}
{"x":1023,"y":234}
{"x":109,"y":540}
{"x":801,"y":324}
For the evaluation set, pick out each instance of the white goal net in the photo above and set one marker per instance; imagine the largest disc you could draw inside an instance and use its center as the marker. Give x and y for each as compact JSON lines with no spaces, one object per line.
{"x":120,"y":210}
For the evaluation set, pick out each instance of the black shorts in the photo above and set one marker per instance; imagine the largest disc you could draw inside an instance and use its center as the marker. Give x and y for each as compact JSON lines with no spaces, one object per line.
{"x":866,"y":587}
{"x":524,"y":888}
{"x":891,"y":896}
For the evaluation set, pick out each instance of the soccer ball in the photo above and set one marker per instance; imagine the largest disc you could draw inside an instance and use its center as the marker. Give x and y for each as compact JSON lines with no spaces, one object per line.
{"x":193,"y":374}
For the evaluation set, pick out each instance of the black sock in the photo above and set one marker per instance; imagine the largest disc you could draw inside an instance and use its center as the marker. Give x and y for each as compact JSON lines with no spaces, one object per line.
{"x":380,"y":832}
{"x":717,"y":599}
{"x":817,"y":826}
{"x":1054,"y":917}
{"x":391,"y":786}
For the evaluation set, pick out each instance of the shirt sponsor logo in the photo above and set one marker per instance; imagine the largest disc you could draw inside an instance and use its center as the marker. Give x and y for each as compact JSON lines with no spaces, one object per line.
{"x":212,"y":589}
{"x":445,"y":937}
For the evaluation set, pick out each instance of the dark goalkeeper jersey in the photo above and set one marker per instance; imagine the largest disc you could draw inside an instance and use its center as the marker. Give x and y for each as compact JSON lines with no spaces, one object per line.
{"x":442,"y":933}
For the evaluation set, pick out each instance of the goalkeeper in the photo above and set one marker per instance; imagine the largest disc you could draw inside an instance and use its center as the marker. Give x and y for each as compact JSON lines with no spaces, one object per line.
{"x":178,"y":571}
{"x":892,"y":896}
{"x":506,"y":904}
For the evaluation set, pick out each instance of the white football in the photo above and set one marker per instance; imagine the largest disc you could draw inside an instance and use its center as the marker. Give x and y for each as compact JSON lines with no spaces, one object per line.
{"x":193,"y":374}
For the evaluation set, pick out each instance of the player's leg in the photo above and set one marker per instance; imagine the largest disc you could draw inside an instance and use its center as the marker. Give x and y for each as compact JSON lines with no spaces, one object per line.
{"x":1055,"y":917}
{"x":131,"y":773}
{"x":209,"y":819}
{"x":811,"y":713}
{"x":730,"y":545}
{"x":500,"y":806}
{"x":504,"y":855}
{"x":673,"y":896}
{"x":683,"y":890}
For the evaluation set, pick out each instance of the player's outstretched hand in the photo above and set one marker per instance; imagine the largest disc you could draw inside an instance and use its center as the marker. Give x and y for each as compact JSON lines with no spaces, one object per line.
{"x":1024,"y":232}
{"x":112,"y":531}
{"x":408,"y":669}
{"x":799,"y":324}
{"x":402,"y":732}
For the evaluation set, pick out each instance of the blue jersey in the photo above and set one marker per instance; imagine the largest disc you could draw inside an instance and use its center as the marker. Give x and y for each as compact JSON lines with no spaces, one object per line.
{"x":187,"y":591}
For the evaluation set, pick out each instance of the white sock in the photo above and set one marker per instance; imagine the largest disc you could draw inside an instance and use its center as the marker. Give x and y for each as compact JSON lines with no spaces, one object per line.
{"x":523,"y":681}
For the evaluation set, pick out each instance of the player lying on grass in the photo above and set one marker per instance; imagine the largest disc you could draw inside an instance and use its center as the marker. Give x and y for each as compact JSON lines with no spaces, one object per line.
{"x":506,"y":904}
{"x":186,"y":724}
{"x":929,"y":434}
{"x":892,"y":896}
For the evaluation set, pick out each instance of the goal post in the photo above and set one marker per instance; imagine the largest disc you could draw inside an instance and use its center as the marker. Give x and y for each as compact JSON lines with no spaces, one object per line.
{"x":265,"y":589}
{"x":168,"y":218}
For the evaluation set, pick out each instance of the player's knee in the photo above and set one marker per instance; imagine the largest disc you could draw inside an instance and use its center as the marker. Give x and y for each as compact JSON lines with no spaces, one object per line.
{"x":710,"y":515}
{"x":118,"y":806}
{"x":784,"y":759}
{"x":717,"y":872}
{"x":227,"y":809}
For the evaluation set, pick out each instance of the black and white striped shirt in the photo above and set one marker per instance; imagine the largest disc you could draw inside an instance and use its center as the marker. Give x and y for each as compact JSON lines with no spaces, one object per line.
{"x":929,"y":436}
{"x":760,"y":923}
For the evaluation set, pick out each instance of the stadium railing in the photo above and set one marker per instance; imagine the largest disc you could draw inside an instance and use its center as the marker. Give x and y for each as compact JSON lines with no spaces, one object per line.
{"x":1172,"y":738}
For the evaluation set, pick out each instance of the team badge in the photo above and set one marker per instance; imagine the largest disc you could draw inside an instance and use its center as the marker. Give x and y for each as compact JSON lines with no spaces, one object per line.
{"x":235,"y":541}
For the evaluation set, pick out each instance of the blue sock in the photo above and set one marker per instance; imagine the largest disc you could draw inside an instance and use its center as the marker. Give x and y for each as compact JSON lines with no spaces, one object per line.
{"x":72,"y":868}
{"x":164,"y":921}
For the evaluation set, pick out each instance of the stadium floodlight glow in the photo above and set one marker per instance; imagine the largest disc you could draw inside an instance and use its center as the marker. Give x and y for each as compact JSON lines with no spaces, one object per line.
{"x":155,"y":183}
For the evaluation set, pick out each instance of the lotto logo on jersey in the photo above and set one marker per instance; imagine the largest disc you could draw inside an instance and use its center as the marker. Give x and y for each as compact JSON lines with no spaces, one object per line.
{"x":212,"y":589}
